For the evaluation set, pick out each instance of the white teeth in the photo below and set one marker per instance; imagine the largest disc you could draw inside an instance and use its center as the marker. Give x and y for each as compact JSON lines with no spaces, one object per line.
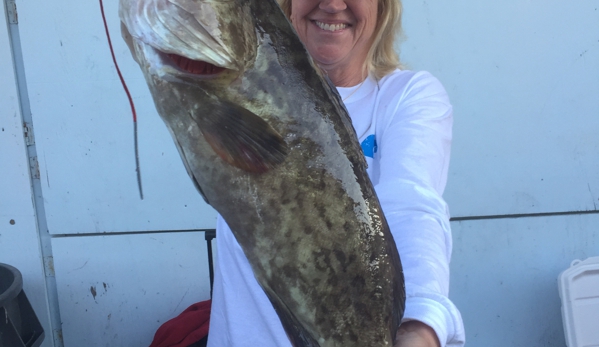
{"x":330,"y":27}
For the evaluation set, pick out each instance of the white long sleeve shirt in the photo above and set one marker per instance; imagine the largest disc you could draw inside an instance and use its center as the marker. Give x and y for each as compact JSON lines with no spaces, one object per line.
{"x":403,"y":123}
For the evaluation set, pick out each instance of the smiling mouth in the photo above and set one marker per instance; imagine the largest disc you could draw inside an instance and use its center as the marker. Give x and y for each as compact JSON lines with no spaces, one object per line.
{"x":330,"y":27}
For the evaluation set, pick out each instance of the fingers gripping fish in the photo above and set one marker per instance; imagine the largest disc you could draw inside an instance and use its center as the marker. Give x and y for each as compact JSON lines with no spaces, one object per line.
{"x":268,"y":143}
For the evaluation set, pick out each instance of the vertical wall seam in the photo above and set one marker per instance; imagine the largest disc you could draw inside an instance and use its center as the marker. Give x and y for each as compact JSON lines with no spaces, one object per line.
{"x":45,"y":240}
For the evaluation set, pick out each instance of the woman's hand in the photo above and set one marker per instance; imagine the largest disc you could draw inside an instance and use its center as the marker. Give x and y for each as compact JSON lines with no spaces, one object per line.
{"x":416,"y":334}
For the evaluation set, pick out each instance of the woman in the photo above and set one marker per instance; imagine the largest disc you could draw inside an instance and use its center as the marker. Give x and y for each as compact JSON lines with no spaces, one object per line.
{"x":403,"y":120}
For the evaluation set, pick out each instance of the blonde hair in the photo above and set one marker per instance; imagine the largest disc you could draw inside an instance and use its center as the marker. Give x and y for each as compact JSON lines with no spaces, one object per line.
{"x":382,"y":57}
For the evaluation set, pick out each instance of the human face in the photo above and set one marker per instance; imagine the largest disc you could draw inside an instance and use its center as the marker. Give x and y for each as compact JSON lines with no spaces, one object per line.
{"x":338,"y":35}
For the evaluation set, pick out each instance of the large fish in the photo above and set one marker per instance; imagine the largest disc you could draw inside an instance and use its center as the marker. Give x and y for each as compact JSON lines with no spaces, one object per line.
{"x":270,"y":146}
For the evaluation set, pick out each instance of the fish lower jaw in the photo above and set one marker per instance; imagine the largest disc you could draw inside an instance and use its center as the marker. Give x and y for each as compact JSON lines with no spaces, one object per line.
{"x":330,"y":27}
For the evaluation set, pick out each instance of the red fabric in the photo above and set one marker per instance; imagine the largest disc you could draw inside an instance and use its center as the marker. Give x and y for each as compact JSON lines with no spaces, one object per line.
{"x":187,"y":328}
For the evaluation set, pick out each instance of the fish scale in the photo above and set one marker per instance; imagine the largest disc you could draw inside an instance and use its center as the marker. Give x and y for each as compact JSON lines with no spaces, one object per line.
{"x":269,"y":144}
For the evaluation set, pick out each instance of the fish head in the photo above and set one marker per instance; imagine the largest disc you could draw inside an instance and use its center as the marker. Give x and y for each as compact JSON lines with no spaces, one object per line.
{"x":173,"y":39}
{"x":194,"y":55}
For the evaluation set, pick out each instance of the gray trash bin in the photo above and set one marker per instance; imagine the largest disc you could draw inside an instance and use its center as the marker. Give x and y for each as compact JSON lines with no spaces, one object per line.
{"x":19,"y":326}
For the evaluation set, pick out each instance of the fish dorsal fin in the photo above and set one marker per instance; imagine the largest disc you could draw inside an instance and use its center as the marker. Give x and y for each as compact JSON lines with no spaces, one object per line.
{"x":241,"y":138}
{"x":345,"y":118}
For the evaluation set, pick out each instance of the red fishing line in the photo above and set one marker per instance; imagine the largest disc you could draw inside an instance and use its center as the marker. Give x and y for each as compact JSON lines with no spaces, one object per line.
{"x":116,"y":65}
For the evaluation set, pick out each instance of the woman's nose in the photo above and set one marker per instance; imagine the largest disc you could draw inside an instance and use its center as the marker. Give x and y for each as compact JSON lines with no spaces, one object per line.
{"x":332,"y":6}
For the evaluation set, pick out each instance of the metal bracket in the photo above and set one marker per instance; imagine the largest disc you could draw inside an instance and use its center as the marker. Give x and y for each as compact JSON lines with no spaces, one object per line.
{"x":58,"y":339}
{"x":34,"y":166}
{"x":49,"y":266}
{"x":11,"y":12}
{"x":28,"y":130}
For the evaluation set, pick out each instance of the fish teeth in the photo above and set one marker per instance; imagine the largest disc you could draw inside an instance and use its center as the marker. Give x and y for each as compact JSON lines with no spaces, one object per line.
{"x":330,"y":27}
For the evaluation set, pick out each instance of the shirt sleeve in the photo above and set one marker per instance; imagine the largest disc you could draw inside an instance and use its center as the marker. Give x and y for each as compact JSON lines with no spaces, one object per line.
{"x":410,"y":174}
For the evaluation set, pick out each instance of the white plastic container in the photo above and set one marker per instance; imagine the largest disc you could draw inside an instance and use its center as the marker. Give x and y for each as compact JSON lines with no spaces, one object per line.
{"x":579,"y":290}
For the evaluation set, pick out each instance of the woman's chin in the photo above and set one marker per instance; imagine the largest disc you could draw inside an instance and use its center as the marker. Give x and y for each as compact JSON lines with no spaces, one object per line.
{"x":328,"y":58}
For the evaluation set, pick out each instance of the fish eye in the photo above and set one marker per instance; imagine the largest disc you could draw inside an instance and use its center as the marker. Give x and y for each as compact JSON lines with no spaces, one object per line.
{"x":195,"y":67}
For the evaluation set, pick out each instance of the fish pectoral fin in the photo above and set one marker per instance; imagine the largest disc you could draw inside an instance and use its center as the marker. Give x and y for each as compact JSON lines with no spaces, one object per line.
{"x":241,"y":138}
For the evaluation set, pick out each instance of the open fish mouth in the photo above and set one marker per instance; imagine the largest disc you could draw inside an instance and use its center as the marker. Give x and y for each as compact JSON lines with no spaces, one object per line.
{"x":190,"y":32}
{"x":194,"y":67}
{"x":167,"y":63}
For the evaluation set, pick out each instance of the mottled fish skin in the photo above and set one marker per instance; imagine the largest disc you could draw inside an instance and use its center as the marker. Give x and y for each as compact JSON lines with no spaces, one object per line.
{"x":271,"y":148}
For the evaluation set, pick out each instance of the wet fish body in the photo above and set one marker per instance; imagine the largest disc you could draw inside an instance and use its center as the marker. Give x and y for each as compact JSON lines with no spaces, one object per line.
{"x":267,"y":142}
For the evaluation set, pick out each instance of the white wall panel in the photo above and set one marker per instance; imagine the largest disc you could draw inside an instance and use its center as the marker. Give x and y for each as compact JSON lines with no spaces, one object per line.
{"x":19,"y":243}
{"x":117,"y":290}
{"x":523,"y":77}
{"x":504,"y":276}
{"x":84,"y":129}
